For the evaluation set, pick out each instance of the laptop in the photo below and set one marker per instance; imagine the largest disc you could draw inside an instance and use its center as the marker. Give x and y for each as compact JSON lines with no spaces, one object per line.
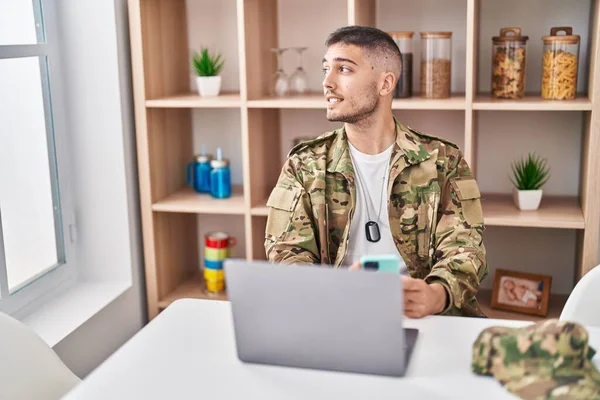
{"x":319,"y":318}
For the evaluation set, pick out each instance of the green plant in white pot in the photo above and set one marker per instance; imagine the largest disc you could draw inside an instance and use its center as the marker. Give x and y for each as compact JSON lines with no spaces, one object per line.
{"x":529,"y":175}
{"x":207,"y":68}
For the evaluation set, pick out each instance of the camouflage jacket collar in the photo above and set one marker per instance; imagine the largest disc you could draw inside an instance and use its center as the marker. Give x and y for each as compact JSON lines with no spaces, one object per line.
{"x":407,"y":145}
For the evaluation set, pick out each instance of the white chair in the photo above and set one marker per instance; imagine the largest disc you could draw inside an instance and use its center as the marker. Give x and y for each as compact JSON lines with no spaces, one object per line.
{"x":29,"y":368}
{"x":583,"y":304}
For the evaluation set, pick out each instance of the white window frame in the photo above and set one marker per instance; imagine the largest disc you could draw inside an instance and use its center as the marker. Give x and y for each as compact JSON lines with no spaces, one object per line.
{"x":61,"y":277}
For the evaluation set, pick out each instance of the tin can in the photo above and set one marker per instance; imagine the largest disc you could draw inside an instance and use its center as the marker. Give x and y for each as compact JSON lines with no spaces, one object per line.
{"x":217,"y":248}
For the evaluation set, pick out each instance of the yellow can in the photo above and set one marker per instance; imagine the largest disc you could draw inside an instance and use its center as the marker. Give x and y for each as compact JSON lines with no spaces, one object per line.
{"x":215,"y":286}
{"x":213,"y":254}
{"x":214,"y":274}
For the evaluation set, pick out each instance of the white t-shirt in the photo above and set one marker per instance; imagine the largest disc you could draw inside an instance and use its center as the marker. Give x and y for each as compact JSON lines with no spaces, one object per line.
{"x":372,"y":169}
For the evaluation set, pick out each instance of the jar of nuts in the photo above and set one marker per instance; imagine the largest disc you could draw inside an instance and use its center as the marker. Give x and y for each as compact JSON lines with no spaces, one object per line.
{"x":436,"y":64}
{"x":508,"y":64}
{"x":560,"y":64}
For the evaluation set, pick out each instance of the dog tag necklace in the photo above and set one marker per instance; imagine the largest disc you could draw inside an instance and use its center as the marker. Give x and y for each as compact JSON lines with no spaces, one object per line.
{"x":372,"y":227}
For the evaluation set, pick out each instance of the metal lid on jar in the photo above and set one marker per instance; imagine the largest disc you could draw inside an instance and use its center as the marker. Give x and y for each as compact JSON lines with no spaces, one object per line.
{"x":202,"y":158}
{"x":436,"y":34}
{"x":510,"y":35}
{"x":401,"y":35}
{"x":567,"y":38}
{"x":219,"y":163}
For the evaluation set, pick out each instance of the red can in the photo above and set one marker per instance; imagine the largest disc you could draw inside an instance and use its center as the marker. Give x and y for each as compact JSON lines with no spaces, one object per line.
{"x":219,"y":240}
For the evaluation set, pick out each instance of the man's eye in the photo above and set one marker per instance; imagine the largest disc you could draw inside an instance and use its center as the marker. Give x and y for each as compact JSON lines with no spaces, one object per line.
{"x":325,"y":69}
{"x":345,"y":69}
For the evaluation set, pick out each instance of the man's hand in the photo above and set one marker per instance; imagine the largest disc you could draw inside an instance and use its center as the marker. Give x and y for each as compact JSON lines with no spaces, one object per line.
{"x":422,"y":299}
{"x":355,"y":266}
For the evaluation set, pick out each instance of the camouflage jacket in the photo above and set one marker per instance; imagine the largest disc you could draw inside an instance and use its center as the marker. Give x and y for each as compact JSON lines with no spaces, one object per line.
{"x":433,"y":203}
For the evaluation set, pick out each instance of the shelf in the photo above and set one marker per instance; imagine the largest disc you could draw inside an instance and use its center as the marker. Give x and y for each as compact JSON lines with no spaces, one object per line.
{"x":186,"y":200}
{"x":261,"y":209}
{"x":499,"y":210}
{"x":192,"y":100}
{"x":555,"y":306}
{"x":554,"y":212}
{"x":192,"y":288}
{"x":532,"y":103}
{"x":317,"y":101}
{"x":456,"y":102}
{"x":312,"y":100}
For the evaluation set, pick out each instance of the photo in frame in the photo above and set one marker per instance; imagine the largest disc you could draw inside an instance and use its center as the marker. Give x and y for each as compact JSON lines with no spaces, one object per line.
{"x":521,"y":292}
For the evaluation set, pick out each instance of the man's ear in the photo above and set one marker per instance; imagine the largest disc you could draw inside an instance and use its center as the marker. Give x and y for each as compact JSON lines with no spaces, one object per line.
{"x":389,"y":84}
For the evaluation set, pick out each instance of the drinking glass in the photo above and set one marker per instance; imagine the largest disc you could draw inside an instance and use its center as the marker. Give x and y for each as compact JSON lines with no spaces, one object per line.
{"x":299,"y":78}
{"x":280,"y":86}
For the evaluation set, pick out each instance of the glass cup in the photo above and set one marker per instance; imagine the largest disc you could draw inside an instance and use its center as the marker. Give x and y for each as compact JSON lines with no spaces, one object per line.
{"x":299,"y":79}
{"x":280,"y":86}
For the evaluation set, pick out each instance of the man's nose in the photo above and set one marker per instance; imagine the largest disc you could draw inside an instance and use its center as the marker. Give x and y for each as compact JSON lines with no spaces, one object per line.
{"x":328,"y":83}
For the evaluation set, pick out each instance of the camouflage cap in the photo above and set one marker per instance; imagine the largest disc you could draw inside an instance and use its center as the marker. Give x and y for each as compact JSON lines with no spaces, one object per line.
{"x":550,"y":359}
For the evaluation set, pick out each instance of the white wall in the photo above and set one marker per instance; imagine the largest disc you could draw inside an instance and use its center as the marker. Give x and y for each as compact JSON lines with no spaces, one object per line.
{"x":98,"y":86}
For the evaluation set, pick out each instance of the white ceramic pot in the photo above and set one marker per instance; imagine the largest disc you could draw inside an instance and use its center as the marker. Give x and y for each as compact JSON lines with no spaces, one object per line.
{"x":527,"y":199}
{"x":208,"y":85}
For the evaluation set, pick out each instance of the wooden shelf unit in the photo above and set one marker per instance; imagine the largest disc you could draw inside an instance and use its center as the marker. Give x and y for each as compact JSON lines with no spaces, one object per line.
{"x":193,"y":100}
{"x":317,"y":101}
{"x":186,"y":200}
{"x":531,"y":103}
{"x":163,"y":104}
{"x":555,"y":306}
{"x":194,"y":288}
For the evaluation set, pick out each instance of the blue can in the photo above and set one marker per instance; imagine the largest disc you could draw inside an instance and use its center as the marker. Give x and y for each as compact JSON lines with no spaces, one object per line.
{"x":220,"y":178}
{"x":198,"y":174}
{"x":214,"y":265}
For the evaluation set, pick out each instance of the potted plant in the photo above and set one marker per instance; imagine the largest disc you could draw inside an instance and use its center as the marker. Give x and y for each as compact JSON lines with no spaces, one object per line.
{"x":207,"y":68}
{"x":529,"y":176}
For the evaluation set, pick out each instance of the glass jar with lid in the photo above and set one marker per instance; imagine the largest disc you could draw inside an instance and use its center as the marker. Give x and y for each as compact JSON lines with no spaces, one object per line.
{"x":436,"y":64}
{"x":509,"y":56}
{"x":404,"y":42}
{"x":560,"y":62}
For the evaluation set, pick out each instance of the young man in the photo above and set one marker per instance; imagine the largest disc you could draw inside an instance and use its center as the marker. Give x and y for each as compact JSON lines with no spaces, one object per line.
{"x":376,"y":186}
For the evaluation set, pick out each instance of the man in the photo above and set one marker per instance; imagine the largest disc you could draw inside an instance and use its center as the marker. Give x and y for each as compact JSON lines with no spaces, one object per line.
{"x":376,"y":186}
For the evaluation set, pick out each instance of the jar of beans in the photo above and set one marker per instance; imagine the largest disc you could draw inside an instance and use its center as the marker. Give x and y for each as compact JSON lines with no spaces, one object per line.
{"x":436,"y":64}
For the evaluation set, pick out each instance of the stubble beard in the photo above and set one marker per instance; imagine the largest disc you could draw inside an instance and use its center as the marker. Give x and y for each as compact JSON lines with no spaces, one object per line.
{"x":360,"y":112}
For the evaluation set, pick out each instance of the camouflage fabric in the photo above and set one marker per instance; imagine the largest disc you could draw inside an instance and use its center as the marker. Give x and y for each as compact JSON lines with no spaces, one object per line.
{"x":547,"y":360}
{"x":434,"y":209}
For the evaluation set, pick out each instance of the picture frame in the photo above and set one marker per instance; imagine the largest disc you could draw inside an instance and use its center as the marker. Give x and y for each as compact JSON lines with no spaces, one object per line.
{"x":521,"y":292}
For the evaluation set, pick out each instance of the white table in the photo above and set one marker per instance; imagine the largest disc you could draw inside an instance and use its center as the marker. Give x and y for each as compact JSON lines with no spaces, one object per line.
{"x":188,"y":352}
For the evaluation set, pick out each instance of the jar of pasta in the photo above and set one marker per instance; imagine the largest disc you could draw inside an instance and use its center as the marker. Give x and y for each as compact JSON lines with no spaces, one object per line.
{"x":560,"y":57}
{"x":404,"y":42}
{"x":508,"y":64}
{"x":436,"y":64}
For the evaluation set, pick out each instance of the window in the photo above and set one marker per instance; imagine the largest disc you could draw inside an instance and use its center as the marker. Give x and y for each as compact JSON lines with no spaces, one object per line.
{"x":36,"y":227}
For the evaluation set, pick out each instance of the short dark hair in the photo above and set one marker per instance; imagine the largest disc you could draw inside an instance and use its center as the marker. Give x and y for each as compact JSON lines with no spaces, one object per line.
{"x":375,"y":41}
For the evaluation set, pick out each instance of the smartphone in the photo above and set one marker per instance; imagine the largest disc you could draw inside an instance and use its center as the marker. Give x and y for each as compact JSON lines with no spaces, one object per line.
{"x":381,"y":263}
